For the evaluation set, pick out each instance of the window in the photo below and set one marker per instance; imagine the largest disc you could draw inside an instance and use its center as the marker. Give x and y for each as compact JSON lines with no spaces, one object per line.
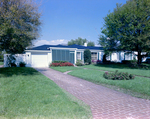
{"x":94,"y":56}
{"x":78,"y":56}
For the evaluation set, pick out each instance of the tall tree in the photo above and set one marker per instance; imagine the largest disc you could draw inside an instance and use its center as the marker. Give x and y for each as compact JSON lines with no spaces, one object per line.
{"x":19,"y":24}
{"x":90,"y":43}
{"x":128,"y":28}
{"x":80,"y":41}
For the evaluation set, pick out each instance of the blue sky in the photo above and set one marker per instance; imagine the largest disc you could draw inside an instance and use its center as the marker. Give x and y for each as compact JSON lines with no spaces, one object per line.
{"x":63,"y":20}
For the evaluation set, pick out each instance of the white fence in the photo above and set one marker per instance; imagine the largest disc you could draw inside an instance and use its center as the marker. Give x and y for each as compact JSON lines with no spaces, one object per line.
{"x":19,"y":58}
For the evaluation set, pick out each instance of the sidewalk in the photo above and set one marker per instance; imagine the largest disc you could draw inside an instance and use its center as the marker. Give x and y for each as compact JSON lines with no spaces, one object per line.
{"x":105,"y":103}
{"x":1,"y":66}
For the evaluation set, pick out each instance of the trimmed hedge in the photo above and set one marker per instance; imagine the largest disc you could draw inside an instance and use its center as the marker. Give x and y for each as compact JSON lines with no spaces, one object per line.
{"x":148,"y":60}
{"x":87,"y":56}
{"x":129,"y":61}
{"x":61,"y":64}
{"x":118,"y":76}
{"x":22,"y":64}
{"x":59,"y":61}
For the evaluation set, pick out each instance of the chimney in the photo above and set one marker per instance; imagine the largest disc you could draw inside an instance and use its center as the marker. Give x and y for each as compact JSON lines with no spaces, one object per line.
{"x":85,"y":44}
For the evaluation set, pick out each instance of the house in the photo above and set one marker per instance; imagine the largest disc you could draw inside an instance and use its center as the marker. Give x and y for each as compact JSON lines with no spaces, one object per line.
{"x":43,"y":55}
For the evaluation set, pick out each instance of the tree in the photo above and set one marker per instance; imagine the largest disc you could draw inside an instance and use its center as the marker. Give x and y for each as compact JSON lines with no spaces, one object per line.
{"x":80,"y":41}
{"x":1,"y":56}
{"x":90,"y":43}
{"x":128,"y":28}
{"x":19,"y":25}
{"x":87,"y":56}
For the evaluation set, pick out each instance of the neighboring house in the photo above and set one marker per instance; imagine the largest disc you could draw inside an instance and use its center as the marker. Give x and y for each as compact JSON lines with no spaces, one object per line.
{"x":42,"y":56}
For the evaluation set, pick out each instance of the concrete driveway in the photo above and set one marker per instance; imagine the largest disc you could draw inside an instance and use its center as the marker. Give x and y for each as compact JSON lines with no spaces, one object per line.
{"x":105,"y":103}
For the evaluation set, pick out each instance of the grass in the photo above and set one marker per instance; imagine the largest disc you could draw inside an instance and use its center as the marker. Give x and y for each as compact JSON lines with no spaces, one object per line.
{"x":138,"y":87}
{"x":65,"y":68}
{"x":26,"y":93}
{"x":119,"y":67}
{"x":1,"y":63}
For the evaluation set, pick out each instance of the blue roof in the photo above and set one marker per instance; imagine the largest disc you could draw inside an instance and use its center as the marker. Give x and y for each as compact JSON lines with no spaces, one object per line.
{"x":46,"y":47}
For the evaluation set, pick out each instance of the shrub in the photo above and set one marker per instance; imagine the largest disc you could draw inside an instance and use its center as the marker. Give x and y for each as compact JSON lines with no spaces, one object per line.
{"x":94,"y":61}
{"x":148,"y":60}
{"x":98,"y":62}
{"x":22,"y":64}
{"x":59,"y":61}
{"x":13,"y":64}
{"x":79,"y":63}
{"x":139,"y":66}
{"x":118,"y":76}
{"x":61,"y":64}
{"x":129,"y":61}
{"x":87,"y":56}
{"x":11,"y":61}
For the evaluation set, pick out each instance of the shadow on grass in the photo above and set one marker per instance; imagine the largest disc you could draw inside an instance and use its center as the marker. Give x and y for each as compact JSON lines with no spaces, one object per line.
{"x":10,"y":71}
{"x":121,"y":66}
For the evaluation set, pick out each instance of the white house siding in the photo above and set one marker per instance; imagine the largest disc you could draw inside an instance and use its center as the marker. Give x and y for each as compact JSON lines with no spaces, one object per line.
{"x":49,"y":58}
{"x":114,"y":57}
{"x":101,"y":56}
{"x":28,"y":59}
{"x":119,"y":56}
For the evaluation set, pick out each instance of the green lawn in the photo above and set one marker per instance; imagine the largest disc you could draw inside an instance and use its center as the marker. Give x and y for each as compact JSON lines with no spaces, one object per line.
{"x":139,"y":87}
{"x":119,"y":67}
{"x":26,"y":93}
{"x":65,"y":68}
{"x":1,"y":63}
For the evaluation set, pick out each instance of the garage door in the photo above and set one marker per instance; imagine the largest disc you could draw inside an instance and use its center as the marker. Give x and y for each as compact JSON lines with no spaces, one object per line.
{"x":39,"y":60}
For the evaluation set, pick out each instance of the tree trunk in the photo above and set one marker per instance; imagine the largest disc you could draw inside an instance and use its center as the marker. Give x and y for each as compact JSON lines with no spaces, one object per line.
{"x":104,"y":58}
{"x":139,"y":58}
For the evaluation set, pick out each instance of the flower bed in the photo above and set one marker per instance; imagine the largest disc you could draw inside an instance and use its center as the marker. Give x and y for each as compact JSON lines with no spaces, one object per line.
{"x":118,"y":76}
{"x":61,"y":64}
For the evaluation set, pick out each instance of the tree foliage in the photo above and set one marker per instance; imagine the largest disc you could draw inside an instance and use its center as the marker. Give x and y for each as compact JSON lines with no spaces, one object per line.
{"x":90,"y":43}
{"x":128,"y":28}
{"x":87,"y":56}
{"x":80,"y":41}
{"x":19,"y":24}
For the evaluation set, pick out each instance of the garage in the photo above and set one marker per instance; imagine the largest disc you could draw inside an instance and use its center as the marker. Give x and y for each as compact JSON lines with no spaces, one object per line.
{"x":39,"y":59}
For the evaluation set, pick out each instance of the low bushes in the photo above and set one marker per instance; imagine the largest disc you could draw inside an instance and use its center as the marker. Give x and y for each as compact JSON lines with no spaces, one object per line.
{"x":96,"y":61}
{"x":148,"y":60}
{"x":140,"y":66}
{"x":79,"y":63}
{"x":118,"y":76}
{"x":13,"y":65}
{"x":129,"y":62}
{"x":22,"y":64}
{"x":59,"y":61}
{"x":61,"y":64}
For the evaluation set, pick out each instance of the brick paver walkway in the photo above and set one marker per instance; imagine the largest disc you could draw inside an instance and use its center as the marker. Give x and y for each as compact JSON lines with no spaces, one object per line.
{"x":1,"y":66}
{"x":105,"y":103}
